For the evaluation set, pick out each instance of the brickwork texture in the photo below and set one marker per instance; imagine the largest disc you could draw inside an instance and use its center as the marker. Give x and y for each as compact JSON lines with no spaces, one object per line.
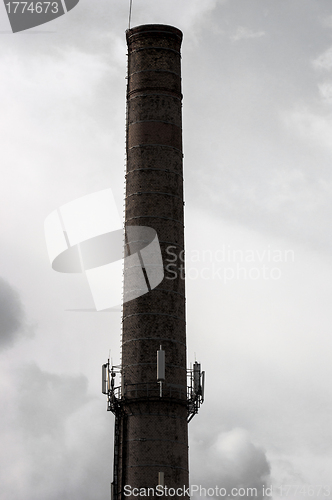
{"x":154,"y":430}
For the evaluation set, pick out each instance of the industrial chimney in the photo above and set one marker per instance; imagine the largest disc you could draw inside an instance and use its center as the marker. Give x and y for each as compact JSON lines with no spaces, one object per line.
{"x":153,"y":405}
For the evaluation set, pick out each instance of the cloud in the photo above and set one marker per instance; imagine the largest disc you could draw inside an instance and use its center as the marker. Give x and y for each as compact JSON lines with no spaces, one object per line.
{"x":48,"y":399}
{"x":63,"y":96}
{"x":324,"y":61}
{"x":231,"y":461}
{"x":57,"y":438}
{"x":12,"y":315}
{"x":244,"y":33}
{"x":310,"y":126}
{"x":180,"y":13}
{"x":325,"y":90}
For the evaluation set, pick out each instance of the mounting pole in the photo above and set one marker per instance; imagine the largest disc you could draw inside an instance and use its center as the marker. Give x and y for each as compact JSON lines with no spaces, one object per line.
{"x":130,"y":9}
{"x":161,"y":369}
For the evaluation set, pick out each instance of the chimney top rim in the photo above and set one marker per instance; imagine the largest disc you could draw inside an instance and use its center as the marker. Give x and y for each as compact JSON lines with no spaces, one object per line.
{"x":156,"y":28}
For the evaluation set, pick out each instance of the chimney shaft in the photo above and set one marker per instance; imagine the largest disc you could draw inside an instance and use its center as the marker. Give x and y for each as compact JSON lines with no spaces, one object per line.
{"x":153,"y":430}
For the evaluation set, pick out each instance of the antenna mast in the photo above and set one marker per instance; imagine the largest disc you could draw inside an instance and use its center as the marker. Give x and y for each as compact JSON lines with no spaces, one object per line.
{"x":130,"y":9}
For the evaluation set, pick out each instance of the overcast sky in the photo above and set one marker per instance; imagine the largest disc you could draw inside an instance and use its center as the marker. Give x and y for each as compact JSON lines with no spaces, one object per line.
{"x":257,"y":115}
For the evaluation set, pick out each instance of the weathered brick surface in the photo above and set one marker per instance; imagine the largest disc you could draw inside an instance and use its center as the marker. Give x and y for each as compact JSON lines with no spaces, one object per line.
{"x":155,"y":439}
{"x":152,"y":158}
{"x":142,"y":108}
{"x":153,"y":430}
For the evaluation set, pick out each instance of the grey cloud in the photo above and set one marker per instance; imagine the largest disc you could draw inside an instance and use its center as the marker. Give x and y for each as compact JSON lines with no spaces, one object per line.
{"x":47,"y":399}
{"x":242,"y":163}
{"x":230,"y":460}
{"x":244,"y":33}
{"x":324,"y":61}
{"x":11,"y":314}
{"x":62,"y":437}
{"x":250,"y":160}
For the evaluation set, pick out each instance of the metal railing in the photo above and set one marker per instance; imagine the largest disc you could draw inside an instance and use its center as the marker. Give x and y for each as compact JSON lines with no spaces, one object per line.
{"x":192,"y":394}
{"x":152,"y":390}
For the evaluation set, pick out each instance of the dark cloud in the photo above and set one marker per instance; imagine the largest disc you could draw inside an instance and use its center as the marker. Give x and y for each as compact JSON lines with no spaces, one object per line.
{"x":11,"y":314}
